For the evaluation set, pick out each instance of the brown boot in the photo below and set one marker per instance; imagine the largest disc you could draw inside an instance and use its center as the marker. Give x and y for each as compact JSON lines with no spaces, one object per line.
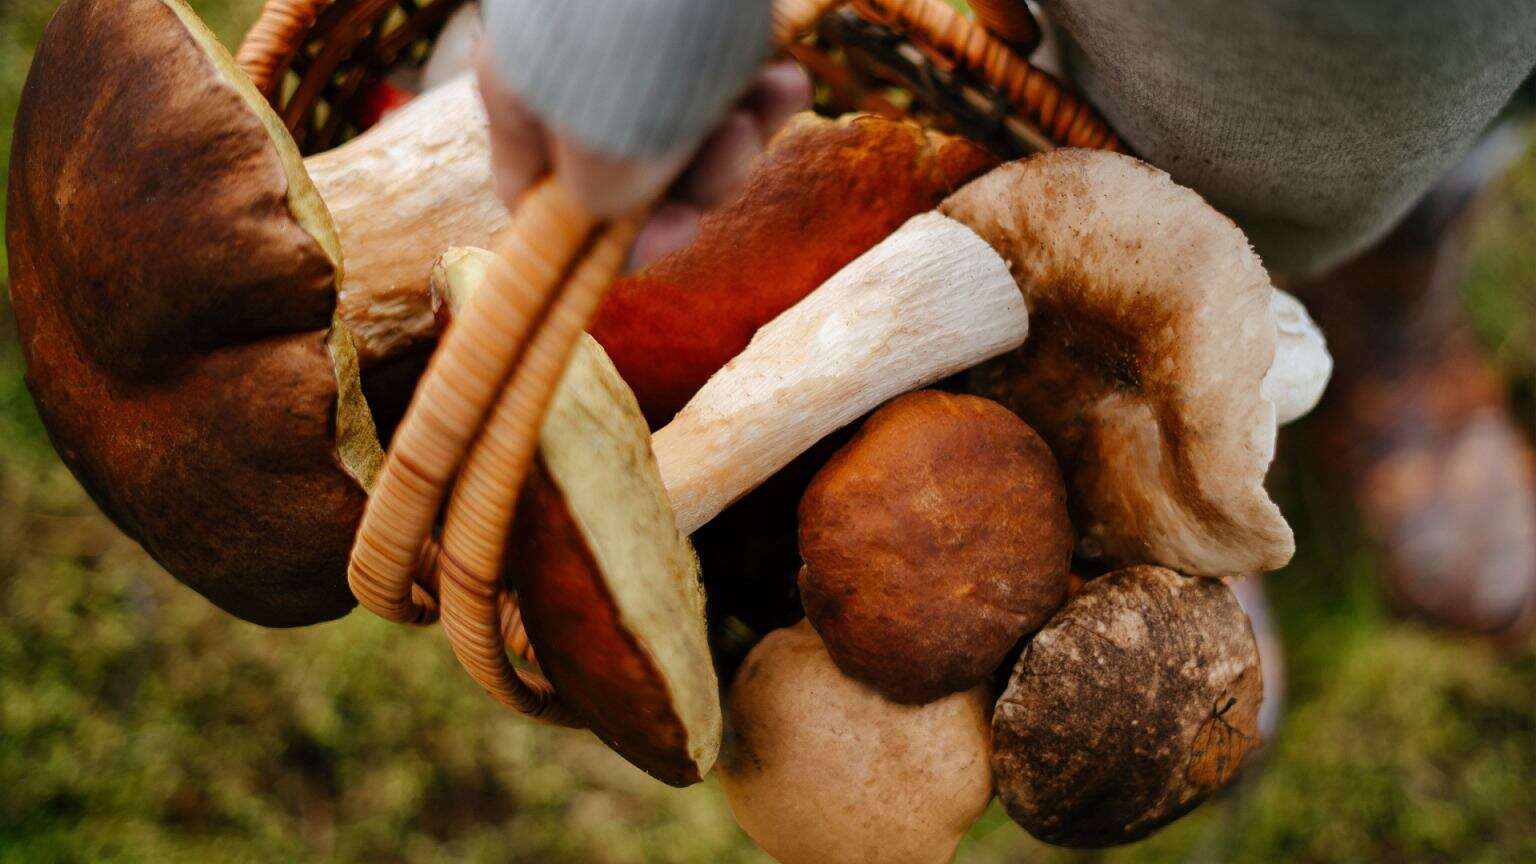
{"x":1441,"y":474}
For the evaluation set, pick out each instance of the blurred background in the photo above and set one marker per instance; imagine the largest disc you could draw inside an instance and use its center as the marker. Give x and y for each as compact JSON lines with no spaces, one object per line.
{"x":138,"y":723}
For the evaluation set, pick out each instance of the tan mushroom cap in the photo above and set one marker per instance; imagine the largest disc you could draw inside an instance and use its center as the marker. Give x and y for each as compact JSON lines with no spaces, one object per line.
{"x":820,"y":769}
{"x":1136,"y":702}
{"x":933,"y":541}
{"x":608,"y":586}
{"x":1151,"y":333}
{"x":173,"y":274}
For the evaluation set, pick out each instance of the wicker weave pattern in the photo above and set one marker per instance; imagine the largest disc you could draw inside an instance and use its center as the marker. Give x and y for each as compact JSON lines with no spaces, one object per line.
{"x":959,"y":42}
{"x":312,"y":58}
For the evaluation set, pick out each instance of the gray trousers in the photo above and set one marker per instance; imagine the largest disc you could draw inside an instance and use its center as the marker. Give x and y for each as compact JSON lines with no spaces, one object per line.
{"x":1314,"y":124}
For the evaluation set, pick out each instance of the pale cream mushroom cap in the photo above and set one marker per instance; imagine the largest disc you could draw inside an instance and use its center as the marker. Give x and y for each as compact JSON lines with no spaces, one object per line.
{"x":820,"y":769}
{"x":1151,"y":334}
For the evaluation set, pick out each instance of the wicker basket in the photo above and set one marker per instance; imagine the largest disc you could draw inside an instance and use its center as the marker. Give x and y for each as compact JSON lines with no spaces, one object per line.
{"x":315,"y":61}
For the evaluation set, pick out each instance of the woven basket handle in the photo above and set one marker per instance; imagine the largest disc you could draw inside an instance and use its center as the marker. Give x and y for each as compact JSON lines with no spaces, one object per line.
{"x":271,"y":41}
{"x":509,"y":347}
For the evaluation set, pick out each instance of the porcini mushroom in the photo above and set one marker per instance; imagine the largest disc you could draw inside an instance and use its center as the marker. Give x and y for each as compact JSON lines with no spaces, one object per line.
{"x":933,"y":541}
{"x":608,"y":587}
{"x":823,"y":192}
{"x":192,"y":340}
{"x":1136,"y":702}
{"x":820,"y":769}
{"x":1151,"y":378}
{"x":1154,"y":332}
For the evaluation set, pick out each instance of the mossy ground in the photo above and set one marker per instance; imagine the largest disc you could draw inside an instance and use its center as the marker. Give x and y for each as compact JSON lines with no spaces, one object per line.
{"x":138,"y":724}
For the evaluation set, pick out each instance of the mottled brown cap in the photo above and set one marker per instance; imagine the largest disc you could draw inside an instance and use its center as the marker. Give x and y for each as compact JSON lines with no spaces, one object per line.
{"x":173,"y":274}
{"x":1151,"y":333}
{"x":822,"y":193}
{"x":820,"y":769}
{"x":933,"y":541}
{"x":1136,"y":702}
{"x":609,"y":586}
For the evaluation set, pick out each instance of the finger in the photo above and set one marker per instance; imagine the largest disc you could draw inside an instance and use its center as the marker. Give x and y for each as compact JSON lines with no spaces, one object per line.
{"x":781,"y":91}
{"x":671,"y":227}
{"x":610,"y":186}
{"x":518,"y":153}
{"x":724,"y":162}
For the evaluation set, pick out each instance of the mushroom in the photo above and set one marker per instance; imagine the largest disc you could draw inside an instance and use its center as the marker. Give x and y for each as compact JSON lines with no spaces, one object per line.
{"x":819,"y":769}
{"x":1136,"y":702}
{"x":193,"y":340}
{"x":822,"y":193}
{"x":1148,"y":380}
{"x":608,"y":587}
{"x":1150,"y":369}
{"x":933,"y":541}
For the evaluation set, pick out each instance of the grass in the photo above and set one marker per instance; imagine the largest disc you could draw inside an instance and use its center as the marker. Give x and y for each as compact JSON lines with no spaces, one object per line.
{"x":138,"y":724}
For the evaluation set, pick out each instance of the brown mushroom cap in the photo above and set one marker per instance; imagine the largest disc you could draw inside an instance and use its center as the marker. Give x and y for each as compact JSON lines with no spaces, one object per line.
{"x":608,"y":586}
{"x":820,"y":769}
{"x":1138,"y":700}
{"x":1151,"y":334}
{"x":933,"y":541}
{"x":173,"y":274}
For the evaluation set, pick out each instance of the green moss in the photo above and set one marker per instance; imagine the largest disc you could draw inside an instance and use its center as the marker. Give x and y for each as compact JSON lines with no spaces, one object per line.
{"x":139,"y":724}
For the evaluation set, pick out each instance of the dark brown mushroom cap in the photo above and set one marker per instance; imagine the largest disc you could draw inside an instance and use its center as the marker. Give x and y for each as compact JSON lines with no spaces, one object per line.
{"x":933,"y":542}
{"x":173,"y":277}
{"x":608,"y":585}
{"x":1138,"y":700}
{"x":1151,"y":334}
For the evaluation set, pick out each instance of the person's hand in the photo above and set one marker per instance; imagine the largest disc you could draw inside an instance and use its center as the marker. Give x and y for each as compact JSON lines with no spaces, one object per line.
{"x":693,"y":178}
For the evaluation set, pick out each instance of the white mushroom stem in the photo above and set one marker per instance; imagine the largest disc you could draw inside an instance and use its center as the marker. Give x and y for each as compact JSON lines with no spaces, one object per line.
{"x":1302,"y":364}
{"x":400,"y":193}
{"x":929,"y":301}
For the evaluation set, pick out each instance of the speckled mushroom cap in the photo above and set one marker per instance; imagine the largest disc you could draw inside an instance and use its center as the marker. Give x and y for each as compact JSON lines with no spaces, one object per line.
{"x":1151,"y":333}
{"x":173,"y":275}
{"x":1136,"y":702}
{"x":608,"y":586}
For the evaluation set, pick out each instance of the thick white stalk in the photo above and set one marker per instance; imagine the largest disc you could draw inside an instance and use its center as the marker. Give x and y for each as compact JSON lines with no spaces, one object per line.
{"x":402,"y":192}
{"x":1302,"y":365}
{"x":929,"y":301}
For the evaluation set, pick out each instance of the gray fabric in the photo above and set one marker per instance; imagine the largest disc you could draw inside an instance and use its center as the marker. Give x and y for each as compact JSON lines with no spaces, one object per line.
{"x":1314,"y":123}
{"x":628,"y":77}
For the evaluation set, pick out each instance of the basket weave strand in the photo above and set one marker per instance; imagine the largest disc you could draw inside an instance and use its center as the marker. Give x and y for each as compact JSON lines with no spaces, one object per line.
{"x":448,"y":409}
{"x":484,"y":501}
{"x":1010,"y":21}
{"x":957,"y":40}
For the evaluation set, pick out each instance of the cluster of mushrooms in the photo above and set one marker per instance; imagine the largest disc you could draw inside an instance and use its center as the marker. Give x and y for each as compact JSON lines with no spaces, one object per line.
{"x":999,"y":432}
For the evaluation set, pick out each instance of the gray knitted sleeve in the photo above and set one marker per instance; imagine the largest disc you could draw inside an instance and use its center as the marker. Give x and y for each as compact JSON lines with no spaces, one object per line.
{"x":628,"y":77}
